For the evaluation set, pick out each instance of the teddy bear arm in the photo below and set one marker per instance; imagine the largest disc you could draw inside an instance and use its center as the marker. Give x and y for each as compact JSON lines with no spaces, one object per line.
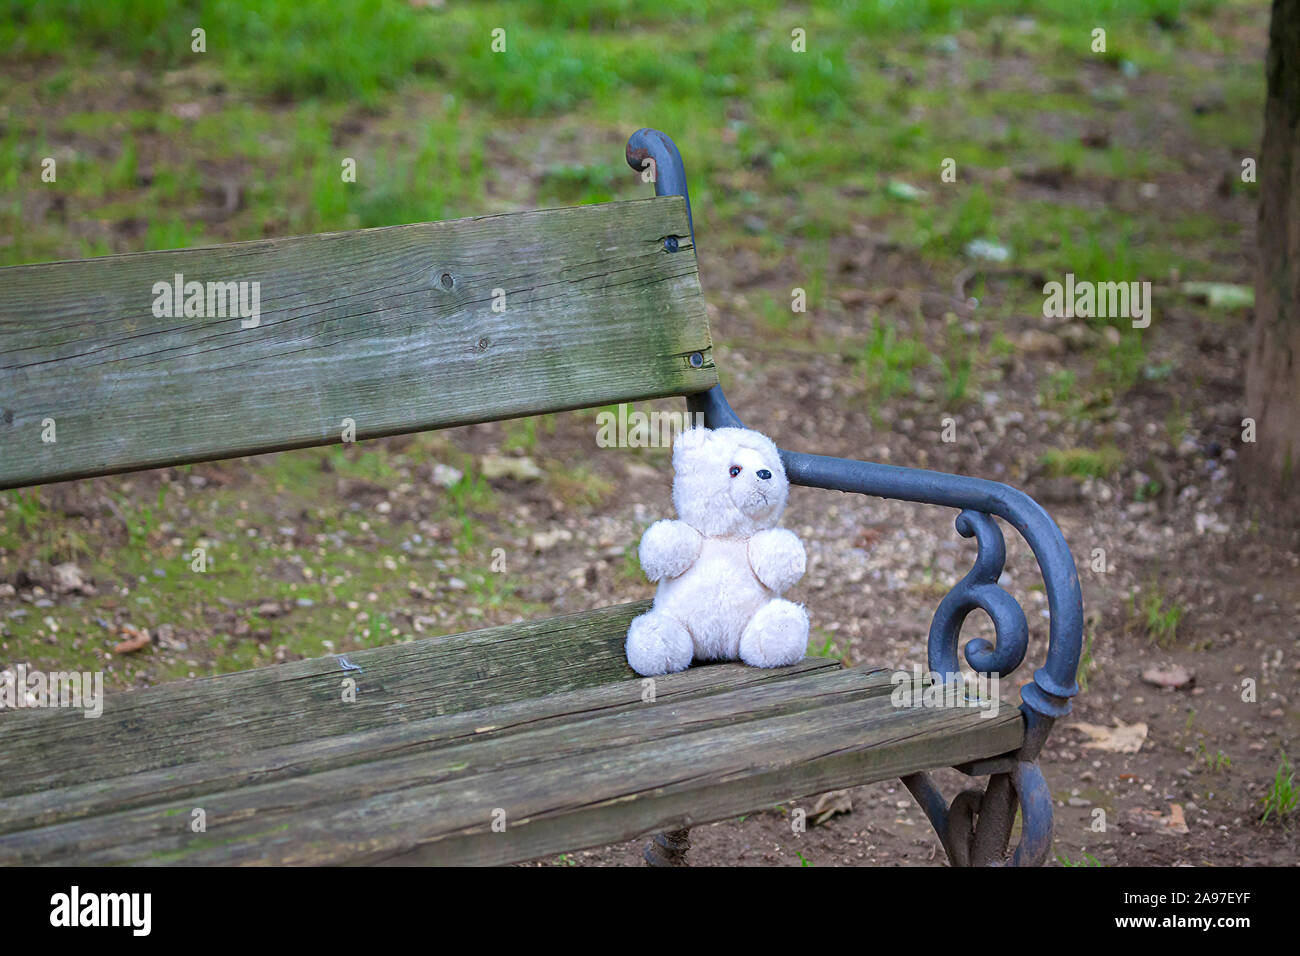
{"x":777,"y":558}
{"x":668,"y":549}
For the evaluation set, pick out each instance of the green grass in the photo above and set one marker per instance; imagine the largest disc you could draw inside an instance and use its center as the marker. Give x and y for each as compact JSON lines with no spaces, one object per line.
{"x":1087,"y":662}
{"x":1119,"y":366}
{"x":829,"y":648}
{"x":598,"y":58}
{"x":889,"y":359}
{"x":522,"y":433}
{"x":281,"y":50}
{"x":579,"y":486}
{"x":465,"y":498}
{"x":27,"y":511}
{"x":1155,"y":614}
{"x":1087,"y":859}
{"x":1216,"y":762}
{"x":1082,"y":462}
{"x":629,"y":569}
{"x":1282,"y":797}
{"x":957,"y":366}
{"x":1060,"y":389}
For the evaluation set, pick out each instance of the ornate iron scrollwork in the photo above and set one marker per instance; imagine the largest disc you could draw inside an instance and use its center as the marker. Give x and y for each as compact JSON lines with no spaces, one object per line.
{"x":980,"y":589}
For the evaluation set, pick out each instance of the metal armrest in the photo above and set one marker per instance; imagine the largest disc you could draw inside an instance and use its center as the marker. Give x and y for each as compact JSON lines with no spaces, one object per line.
{"x":979,"y":499}
{"x":975,"y":829}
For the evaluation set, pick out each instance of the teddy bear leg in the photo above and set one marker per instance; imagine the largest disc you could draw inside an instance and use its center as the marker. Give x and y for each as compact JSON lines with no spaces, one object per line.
{"x":776,"y":636}
{"x":658,"y":644}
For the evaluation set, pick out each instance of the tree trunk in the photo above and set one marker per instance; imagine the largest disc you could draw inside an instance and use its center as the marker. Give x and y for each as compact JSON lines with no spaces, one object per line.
{"x":1273,"y":368}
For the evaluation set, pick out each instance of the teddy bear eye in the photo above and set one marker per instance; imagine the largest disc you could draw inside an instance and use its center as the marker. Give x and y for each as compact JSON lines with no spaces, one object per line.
{"x":734,"y":471}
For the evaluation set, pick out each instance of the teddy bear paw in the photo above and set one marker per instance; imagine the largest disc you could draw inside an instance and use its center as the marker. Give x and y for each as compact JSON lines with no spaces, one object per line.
{"x":776,"y":636}
{"x":658,"y":644}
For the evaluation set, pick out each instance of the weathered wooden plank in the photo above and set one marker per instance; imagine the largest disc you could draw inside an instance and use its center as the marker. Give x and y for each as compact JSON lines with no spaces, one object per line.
{"x":586,"y":780}
{"x":137,"y":789}
{"x":790,"y":758}
{"x":393,"y":329}
{"x":187,"y":721}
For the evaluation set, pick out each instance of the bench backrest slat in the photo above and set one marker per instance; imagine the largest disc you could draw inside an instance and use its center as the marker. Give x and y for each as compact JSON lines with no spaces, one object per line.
{"x":393,"y":328}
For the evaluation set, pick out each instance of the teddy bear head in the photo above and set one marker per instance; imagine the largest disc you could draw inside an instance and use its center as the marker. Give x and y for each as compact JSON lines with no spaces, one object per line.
{"x":728,"y":481}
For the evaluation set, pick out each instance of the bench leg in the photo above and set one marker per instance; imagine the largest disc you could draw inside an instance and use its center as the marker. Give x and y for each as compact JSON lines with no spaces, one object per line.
{"x":668,"y":848}
{"x":975,"y":829}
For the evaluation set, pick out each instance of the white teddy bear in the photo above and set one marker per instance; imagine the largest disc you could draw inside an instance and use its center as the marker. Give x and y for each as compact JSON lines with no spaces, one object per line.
{"x":723,"y":565}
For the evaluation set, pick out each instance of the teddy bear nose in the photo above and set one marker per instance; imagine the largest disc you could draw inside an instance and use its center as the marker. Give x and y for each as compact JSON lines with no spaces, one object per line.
{"x":764,"y":474}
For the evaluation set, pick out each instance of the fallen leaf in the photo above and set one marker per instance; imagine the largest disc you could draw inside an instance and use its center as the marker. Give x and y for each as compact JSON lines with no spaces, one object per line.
{"x":830,"y":805}
{"x":136,"y":639}
{"x":867,"y":538}
{"x":1144,"y":818}
{"x":1174,"y":676}
{"x":1124,"y":739}
{"x":1174,"y":824}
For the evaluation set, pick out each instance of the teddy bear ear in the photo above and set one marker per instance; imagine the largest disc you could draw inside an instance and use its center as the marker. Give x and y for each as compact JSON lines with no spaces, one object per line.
{"x":690,"y":440}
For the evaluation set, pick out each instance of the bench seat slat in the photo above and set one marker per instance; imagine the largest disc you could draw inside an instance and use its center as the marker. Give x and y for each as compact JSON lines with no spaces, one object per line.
{"x":393,"y":328}
{"x":315,"y":755}
{"x":301,"y":701}
{"x":579,"y":773}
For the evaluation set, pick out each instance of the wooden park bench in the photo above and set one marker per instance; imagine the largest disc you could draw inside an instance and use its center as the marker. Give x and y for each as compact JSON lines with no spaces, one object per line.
{"x":498,"y":745}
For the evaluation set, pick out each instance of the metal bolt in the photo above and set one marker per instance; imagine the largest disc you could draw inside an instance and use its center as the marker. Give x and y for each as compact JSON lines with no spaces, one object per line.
{"x":696,"y":360}
{"x":670,"y":244}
